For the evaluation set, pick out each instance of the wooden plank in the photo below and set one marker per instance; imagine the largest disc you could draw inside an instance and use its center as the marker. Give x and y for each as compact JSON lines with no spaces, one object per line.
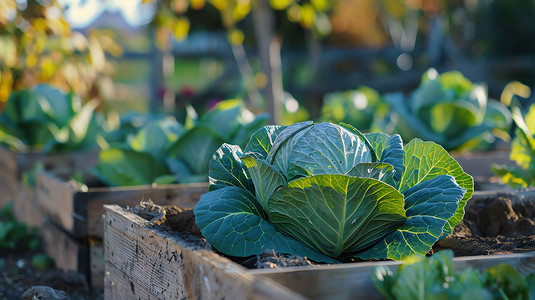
{"x":80,"y":211}
{"x":14,"y":164}
{"x":26,"y":208}
{"x":56,"y":197}
{"x":150,"y":246}
{"x":66,"y":252}
{"x":85,"y":256}
{"x":344,"y":281}
{"x":9,"y":183}
{"x":161,"y":266}
{"x":96,"y":265}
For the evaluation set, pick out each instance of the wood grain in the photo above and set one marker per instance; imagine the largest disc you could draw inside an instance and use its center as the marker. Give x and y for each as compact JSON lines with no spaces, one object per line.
{"x":142,"y":254}
{"x":80,"y":211}
{"x":150,"y":263}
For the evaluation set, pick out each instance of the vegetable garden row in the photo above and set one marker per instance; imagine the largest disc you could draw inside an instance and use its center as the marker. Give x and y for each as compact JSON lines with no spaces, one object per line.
{"x":328,"y":204}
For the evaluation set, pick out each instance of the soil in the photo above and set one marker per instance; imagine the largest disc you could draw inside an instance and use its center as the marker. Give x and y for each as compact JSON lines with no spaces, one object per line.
{"x":17,"y":276}
{"x":497,"y":224}
{"x":500,"y":223}
{"x":181,"y":223}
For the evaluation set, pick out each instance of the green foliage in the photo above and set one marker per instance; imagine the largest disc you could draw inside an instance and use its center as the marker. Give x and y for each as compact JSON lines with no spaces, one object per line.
{"x":38,"y":46}
{"x":164,"y":151}
{"x":333,"y":192}
{"x":362,"y":108}
{"x":15,"y":234}
{"x":46,"y":119}
{"x":434,"y":278}
{"x":41,"y":261}
{"x":451,"y":111}
{"x":522,"y":152}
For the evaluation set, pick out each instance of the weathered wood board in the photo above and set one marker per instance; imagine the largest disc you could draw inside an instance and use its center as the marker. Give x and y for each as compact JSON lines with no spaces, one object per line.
{"x":79,"y":211}
{"x":347,"y":280}
{"x":83,"y":256}
{"x":145,"y":261}
{"x":14,"y":164}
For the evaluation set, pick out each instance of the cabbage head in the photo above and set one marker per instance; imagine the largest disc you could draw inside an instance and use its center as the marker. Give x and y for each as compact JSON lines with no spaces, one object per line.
{"x":328,"y":192}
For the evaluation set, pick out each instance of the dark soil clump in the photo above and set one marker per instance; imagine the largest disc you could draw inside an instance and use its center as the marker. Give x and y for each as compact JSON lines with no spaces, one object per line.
{"x":498,"y":224}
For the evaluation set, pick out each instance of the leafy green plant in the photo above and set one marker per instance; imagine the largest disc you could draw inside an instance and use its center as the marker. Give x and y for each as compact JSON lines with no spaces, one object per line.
{"x":15,"y":234}
{"x":452,"y":111}
{"x":362,"y":108}
{"x":522,"y":152}
{"x":433,"y":277}
{"x":165,"y":151}
{"x":326,"y":191}
{"x":45,"y":119}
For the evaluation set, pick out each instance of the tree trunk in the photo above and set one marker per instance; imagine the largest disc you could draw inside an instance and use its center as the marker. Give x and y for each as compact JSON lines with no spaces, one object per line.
{"x":269,"y":50}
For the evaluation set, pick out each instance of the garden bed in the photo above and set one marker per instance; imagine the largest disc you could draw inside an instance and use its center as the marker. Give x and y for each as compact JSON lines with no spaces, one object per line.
{"x":14,"y":164}
{"x":165,"y":259}
{"x":495,"y":222}
{"x":72,"y":228}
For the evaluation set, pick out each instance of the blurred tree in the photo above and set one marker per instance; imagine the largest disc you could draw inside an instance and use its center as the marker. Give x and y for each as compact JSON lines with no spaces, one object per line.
{"x":37,"y":45}
{"x":172,"y":20}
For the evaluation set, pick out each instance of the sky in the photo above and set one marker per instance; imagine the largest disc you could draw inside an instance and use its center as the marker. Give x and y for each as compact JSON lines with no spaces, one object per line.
{"x":81,"y":13}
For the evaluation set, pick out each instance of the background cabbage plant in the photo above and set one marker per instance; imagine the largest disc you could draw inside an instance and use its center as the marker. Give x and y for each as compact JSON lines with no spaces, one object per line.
{"x":164,"y":151}
{"x":327,"y":192}
{"x":452,"y":111}
{"x":46,"y":119}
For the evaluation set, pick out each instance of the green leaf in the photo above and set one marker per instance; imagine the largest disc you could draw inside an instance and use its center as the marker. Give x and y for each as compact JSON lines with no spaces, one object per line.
{"x":244,"y":132}
{"x":429,"y":205}
{"x":165,"y":179}
{"x":56,"y":104}
{"x":323,"y":148}
{"x":156,"y":137}
{"x":230,"y":220}
{"x":123,"y":167}
{"x":513,"y":176}
{"x":498,"y":115}
{"x":426,"y":160}
{"x":195,"y":148}
{"x":338,"y":215}
{"x":452,"y":118}
{"x":263,"y":139}
{"x":389,"y":149}
{"x":227,"y":169}
{"x":381,"y":171}
{"x":422,"y":277}
{"x":283,"y":136}
{"x":224,"y":118}
{"x":265,"y":178}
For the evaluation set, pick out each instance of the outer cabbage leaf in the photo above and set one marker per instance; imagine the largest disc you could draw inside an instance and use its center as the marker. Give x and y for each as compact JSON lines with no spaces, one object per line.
{"x":263,"y":139}
{"x":123,"y":167}
{"x":389,"y":149}
{"x":426,"y":160}
{"x":284,"y":135}
{"x":381,"y":171}
{"x":227,"y":169}
{"x":338,"y":215}
{"x":265,"y":178}
{"x":324,"y":148}
{"x":429,"y":205}
{"x":230,"y":220}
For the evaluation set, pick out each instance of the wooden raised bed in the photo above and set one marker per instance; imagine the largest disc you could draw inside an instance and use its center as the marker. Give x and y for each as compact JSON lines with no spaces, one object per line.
{"x":74,"y":214}
{"x":146,"y":261}
{"x":14,"y":164}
